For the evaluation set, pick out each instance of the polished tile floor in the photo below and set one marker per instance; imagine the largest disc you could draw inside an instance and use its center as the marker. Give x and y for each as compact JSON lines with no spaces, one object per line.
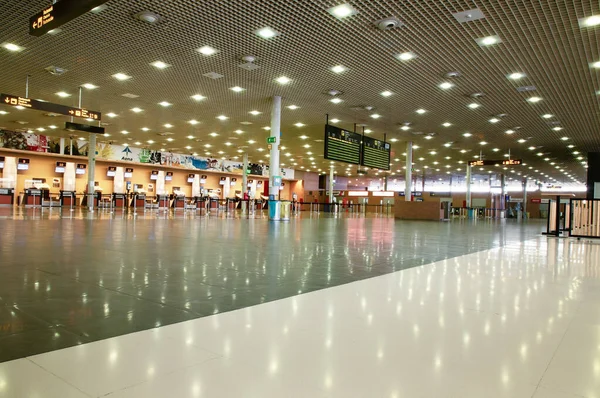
{"x":518,"y":320}
{"x":68,"y":279}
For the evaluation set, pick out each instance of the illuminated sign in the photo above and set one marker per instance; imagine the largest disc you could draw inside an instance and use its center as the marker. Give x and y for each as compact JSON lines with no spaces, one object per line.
{"x":84,"y":127}
{"x":15,"y":100}
{"x":169,"y":176}
{"x":358,"y":193}
{"x":59,"y":13}
{"x":222,"y":181}
{"x":203,"y":179}
{"x":233,"y":181}
{"x":383,"y":193}
{"x":501,"y":162}
{"x":154,"y":175}
{"x":111,"y":172}
{"x":375,"y":153}
{"x":342,"y":145}
{"x":249,"y":182}
{"x":23,"y":164}
{"x":191,"y":177}
{"x":80,"y":168}
{"x":128,"y":172}
{"x":1,"y":162}
{"x":60,"y":167}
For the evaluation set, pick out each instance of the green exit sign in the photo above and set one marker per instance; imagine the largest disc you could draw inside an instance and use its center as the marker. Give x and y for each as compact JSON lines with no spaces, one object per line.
{"x":271,"y":140}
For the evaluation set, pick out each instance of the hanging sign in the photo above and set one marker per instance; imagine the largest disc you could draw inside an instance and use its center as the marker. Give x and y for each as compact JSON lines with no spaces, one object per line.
{"x":1,"y":162}
{"x":222,"y":181}
{"x":84,"y":127}
{"x":59,"y":13}
{"x":15,"y":100}
{"x":233,"y":181}
{"x":191,"y":177}
{"x":501,"y":162}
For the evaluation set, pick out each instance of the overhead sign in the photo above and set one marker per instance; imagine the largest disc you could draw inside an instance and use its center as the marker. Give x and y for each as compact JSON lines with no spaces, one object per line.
{"x":15,"y":100}
{"x":501,"y":162}
{"x":375,"y":153}
{"x":84,"y":127}
{"x":342,"y":145}
{"x":60,"y":13}
{"x":271,"y":140}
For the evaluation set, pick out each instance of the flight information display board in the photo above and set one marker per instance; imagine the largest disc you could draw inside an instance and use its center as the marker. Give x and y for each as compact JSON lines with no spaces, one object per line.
{"x":342,"y":145}
{"x":375,"y":153}
{"x":501,"y":162}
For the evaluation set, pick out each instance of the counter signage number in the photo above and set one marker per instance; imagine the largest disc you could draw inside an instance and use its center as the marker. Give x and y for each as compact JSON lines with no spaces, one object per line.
{"x":342,"y":145}
{"x":15,"y":100}
{"x":501,"y":162}
{"x":376,"y":153}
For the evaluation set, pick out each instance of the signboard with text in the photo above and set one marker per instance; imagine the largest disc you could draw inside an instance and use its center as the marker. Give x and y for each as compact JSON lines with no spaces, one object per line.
{"x":342,"y":145}
{"x":501,"y":162}
{"x":15,"y":100}
{"x":59,"y":13}
{"x":375,"y":153}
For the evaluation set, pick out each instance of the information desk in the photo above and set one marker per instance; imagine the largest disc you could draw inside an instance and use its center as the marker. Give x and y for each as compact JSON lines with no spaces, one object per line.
{"x":68,"y":198}
{"x":119,"y":200}
{"x":7,"y":196}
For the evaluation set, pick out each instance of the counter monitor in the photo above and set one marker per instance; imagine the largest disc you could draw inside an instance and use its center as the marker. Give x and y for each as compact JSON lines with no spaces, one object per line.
{"x":80,"y":168}
{"x":1,"y":162}
{"x":23,"y":164}
{"x":169,"y":176}
{"x":60,"y":167}
{"x":112,"y":171}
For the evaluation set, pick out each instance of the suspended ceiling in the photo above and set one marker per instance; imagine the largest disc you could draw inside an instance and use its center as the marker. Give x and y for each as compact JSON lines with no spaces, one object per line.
{"x":543,"y":40}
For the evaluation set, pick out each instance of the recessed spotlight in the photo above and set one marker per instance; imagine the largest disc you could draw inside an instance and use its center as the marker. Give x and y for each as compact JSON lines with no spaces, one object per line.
{"x":267,"y":128}
{"x":303,"y":137}
{"x":164,"y":103}
{"x":428,"y":137}
{"x":228,"y":144}
{"x":62,"y":94}
{"x":168,"y":125}
{"x":136,"y":110}
{"x":292,"y":107}
{"x":368,"y":131}
{"x":510,"y":132}
{"x":488,"y":41}
{"x":521,"y":141}
{"x":531,"y":148}
{"x":207,"y":50}
{"x":170,"y":139}
{"x":125,"y":132}
{"x":193,"y":122}
{"x":547,"y":116}
{"x":474,"y":105}
{"x":467,"y":134}
{"x":254,"y":113}
{"x":336,"y":100}
{"x":406,"y":56}
{"x":213,"y":134}
{"x":516,"y":76}
{"x":557,"y":128}
{"x":405,"y":128}
{"x":483,"y":143}
{"x":222,"y":117}
{"x":386,"y":93}
{"x":342,"y":11}
{"x":446,"y":85}
{"x":283,"y":80}
{"x":266,"y":33}
{"x":446,"y":124}
{"x":121,"y":76}
{"x":375,"y":116}
{"x":145,"y":129}
{"x":12,"y":47}
{"x":150,"y":142}
{"x":89,"y":86}
{"x":534,"y":99}
{"x":111,"y":114}
{"x":494,"y":120}
{"x":565,"y":138}
{"x":496,"y":149}
{"x":238,"y":132}
{"x":3,"y":113}
{"x":198,"y":97}
{"x":160,"y":64}
{"x":420,"y":111}
{"x":335,"y":120}
{"x":339,"y":69}
{"x":237,"y":89}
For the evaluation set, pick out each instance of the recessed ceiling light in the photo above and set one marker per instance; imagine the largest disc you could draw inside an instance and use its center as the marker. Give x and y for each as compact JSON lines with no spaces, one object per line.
{"x":393,"y":139}
{"x":428,"y":137}
{"x":237,"y":89}
{"x":565,"y":138}
{"x":150,"y":142}
{"x":111,"y":114}
{"x":170,"y":139}
{"x":386,"y":93}
{"x":510,"y":131}
{"x":446,"y":85}
{"x":121,"y":76}
{"x":160,"y":64}
{"x":420,"y":111}
{"x":145,"y":129}
{"x":335,"y":120}
{"x":375,"y":116}
{"x":488,"y":41}
{"x":12,"y":47}
{"x":283,"y":80}
{"x":251,"y":142}
{"x":207,"y":50}
{"x":303,"y":137}
{"x":213,"y":134}
{"x":534,"y":99}
{"x":89,"y":86}
{"x":266,"y":33}
{"x":467,"y":134}
{"x":368,"y":131}
{"x":446,"y":124}
{"x":531,"y":148}
{"x":521,"y":141}
{"x":266,"y":128}
{"x":339,"y":69}
{"x":168,"y":125}
{"x":405,"y":128}
{"x":547,"y":116}
{"x":336,"y":100}
{"x":238,"y":132}
{"x":516,"y":76}
{"x":494,"y":120}
{"x":198,"y":97}
{"x":228,"y":144}
{"x":557,"y":128}
{"x":474,"y":105}
{"x":136,"y":110}
{"x":406,"y":56}
{"x":193,"y":122}
{"x":3,"y":113}
{"x":62,"y":94}
{"x":164,"y":103}
{"x":138,"y":143}
{"x":596,"y":65}
{"x":222,"y":117}
{"x":125,"y":132}
{"x":342,"y":11}
{"x":292,"y":107}
{"x":496,"y":149}
{"x":254,"y":113}
{"x":483,"y":143}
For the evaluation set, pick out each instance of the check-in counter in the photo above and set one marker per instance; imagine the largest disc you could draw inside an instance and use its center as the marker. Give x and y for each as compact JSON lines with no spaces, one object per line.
{"x":139,"y":200}
{"x":164,"y":201}
{"x":179,"y":201}
{"x":68,"y":198}
{"x":33,"y":197}
{"x":119,"y":200}
{"x":7,"y":196}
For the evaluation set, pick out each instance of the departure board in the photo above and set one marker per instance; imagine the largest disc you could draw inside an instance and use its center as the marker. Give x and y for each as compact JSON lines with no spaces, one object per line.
{"x":342,"y":145}
{"x":375,"y":154}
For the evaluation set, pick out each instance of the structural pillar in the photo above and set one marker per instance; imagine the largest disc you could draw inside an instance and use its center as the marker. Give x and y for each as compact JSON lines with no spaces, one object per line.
{"x":408,"y":176}
{"x":524,"y":197}
{"x":330,"y":194}
{"x":62,"y":146}
{"x":274,"y":170}
{"x":503,"y":185}
{"x":245,"y":175}
{"x":91,"y":170}
{"x":468,"y":198}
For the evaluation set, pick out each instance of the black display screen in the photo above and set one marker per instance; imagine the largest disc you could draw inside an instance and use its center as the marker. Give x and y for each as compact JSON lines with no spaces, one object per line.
{"x":342,"y":145}
{"x":15,"y":100}
{"x":375,"y":154}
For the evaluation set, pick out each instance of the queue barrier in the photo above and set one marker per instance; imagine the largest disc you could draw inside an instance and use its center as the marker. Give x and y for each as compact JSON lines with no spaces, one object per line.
{"x":584,"y":218}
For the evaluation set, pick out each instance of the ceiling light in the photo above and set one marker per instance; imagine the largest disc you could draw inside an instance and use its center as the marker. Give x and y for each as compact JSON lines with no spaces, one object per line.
{"x":483,"y":143}
{"x":428,"y":137}
{"x":254,"y":113}
{"x":557,"y":128}
{"x":375,"y":116}
{"x":238,"y":132}
{"x":228,"y":144}
{"x":222,"y":117}
{"x":342,"y":11}
{"x":207,"y":50}
{"x":446,"y":85}
{"x":3,"y":113}
{"x":266,"y":33}
{"x":198,"y":97}
{"x":164,"y":103}
{"x":160,"y":64}
{"x":531,"y":148}
{"x":420,"y":111}
{"x":266,"y":128}
{"x":125,"y":132}
{"x":534,"y":99}
{"x":136,"y":110}
{"x":170,"y":139}
{"x":193,"y":122}
{"x":393,"y":140}
{"x":12,"y":47}
{"x":488,"y":41}
{"x":467,"y":134}
{"x":237,"y":89}
{"x":405,"y":128}
{"x":509,"y":132}
{"x":593,"y":20}
{"x":335,"y":120}
{"x":251,"y":142}
{"x":596,"y":65}
{"x":168,"y":125}
{"x":446,"y":124}
{"x":303,"y":137}
{"x":121,"y":76}
{"x":111,"y":114}
{"x":575,"y":152}
{"x":405,"y":56}
{"x":336,"y":100}
{"x":368,"y":131}
{"x":282,"y":80}
{"x":89,"y":86}
{"x":386,"y":93}
{"x":516,"y":76}
{"x":150,"y":142}
{"x":496,"y":149}
{"x":292,"y":107}
{"x":306,"y":146}
{"x":474,"y":105}
{"x":339,"y":69}
{"x":520,"y":141}
{"x":145,"y":129}
{"x":213,"y":134}
{"x":547,"y":116}
{"x":565,"y":138}
{"x":62,"y":94}
{"x":494,"y":120}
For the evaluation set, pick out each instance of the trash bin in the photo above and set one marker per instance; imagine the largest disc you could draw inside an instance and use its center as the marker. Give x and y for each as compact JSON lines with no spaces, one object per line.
{"x":286,"y":210}
{"x":274,"y":210}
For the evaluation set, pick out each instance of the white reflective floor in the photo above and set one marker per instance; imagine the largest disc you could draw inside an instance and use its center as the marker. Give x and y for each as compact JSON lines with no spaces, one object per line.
{"x":517,"y":321}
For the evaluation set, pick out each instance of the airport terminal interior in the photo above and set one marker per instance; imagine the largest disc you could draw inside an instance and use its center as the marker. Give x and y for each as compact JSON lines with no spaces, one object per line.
{"x":303,"y":199}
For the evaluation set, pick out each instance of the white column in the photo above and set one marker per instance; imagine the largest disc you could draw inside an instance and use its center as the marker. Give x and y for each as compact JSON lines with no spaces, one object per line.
{"x":91,"y":170}
{"x":275,"y":132}
{"x":245,"y":175}
{"x":408,"y":175}
{"x":62,"y":146}
{"x":468,"y":186}
{"x":503,"y":184}
{"x":331,"y":178}
{"x":524,"y":196}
